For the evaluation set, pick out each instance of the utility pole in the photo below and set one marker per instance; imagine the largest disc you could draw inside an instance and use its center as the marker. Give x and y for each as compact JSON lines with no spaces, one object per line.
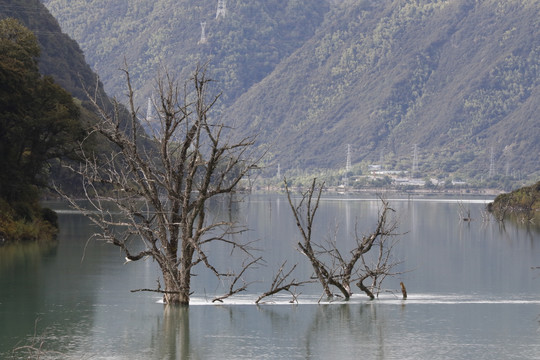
{"x":348,"y":164}
{"x":415,"y":159}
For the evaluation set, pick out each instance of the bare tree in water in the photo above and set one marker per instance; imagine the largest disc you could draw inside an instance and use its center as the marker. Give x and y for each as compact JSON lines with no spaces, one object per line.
{"x":150,"y":196}
{"x":369,"y":261}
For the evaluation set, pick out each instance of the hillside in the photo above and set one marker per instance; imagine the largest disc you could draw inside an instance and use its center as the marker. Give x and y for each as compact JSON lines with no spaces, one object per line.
{"x":458,"y":81}
{"x":61,"y":57}
{"x":454,"y":78}
{"x":39,"y":122}
{"x":44,"y":112}
{"x":243,"y":46}
{"x":524,"y":202}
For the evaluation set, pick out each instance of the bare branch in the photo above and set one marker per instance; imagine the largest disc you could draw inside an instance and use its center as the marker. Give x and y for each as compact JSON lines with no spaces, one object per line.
{"x":232,"y":290}
{"x":155,"y":290}
{"x":279,"y":284}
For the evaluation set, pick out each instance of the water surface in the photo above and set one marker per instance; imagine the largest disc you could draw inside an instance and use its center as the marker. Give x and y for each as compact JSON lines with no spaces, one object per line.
{"x":472,"y":292}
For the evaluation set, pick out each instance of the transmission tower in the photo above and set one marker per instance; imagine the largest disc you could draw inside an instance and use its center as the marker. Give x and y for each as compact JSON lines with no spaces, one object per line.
{"x":278,"y":171}
{"x":203,"y":33}
{"x":415,"y":159}
{"x":348,"y":165}
{"x":492,"y":164}
{"x":221,"y":8}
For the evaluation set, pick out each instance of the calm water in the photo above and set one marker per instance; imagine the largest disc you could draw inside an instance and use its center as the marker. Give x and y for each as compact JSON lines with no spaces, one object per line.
{"x":472,"y":293}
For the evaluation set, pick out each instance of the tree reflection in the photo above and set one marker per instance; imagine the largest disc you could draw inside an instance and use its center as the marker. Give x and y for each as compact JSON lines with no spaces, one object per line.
{"x":173,"y":342}
{"x":331,"y":331}
{"x":348,"y":327}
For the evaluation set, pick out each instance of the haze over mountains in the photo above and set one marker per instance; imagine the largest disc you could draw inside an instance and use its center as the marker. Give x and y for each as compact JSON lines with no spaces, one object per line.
{"x":457,"y":79}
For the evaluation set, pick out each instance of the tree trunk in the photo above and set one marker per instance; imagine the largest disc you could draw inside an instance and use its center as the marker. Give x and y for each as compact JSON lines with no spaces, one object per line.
{"x":175,"y":293}
{"x":362,"y":287}
{"x":403,"y":290}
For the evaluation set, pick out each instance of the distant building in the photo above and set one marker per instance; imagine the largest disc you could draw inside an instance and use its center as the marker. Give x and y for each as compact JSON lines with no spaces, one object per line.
{"x":389,"y":172}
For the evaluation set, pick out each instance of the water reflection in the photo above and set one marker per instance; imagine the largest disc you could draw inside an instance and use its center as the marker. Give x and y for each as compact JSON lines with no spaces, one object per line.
{"x":14,"y":257}
{"x":279,"y":332}
{"x":173,"y":341}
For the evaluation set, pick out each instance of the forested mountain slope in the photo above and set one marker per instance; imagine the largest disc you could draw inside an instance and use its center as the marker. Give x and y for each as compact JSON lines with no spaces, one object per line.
{"x":243,"y":46}
{"x":458,"y":80}
{"x":39,"y":120}
{"x":61,"y":56}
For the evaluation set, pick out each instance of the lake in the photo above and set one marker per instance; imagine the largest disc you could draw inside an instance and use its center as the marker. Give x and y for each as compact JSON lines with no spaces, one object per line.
{"x":472,"y":291}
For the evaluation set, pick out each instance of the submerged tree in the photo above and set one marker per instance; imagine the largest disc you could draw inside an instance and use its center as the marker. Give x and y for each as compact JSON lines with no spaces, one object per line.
{"x":161,"y":183}
{"x":333,"y":269}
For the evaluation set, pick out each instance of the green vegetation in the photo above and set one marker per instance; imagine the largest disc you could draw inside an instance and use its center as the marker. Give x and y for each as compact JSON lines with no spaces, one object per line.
{"x":456,"y":78}
{"x":60,"y":56}
{"x":38,"y":123}
{"x":460,"y":79}
{"x":243,"y":47}
{"x":523,"y":202}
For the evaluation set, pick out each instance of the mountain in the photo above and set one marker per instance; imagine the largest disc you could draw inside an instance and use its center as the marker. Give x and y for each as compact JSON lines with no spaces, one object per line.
{"x":39,"y":120}
{"x":61,"y":56}
{"x":452,"y":86}
{"x":457,"y":79}
{"x":243,"y":45}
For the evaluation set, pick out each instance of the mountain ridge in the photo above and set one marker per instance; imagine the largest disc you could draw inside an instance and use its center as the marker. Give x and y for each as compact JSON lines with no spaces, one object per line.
{"x":456,"y":80}
{"x":403,"y":105}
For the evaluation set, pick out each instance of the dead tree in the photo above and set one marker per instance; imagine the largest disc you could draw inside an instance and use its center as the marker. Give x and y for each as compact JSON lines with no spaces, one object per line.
{"x":150,"y":196}
{"x":331,"y":268}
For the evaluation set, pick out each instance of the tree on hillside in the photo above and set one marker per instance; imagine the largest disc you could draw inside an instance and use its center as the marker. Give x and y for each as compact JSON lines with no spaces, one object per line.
{"x":162,"y":187}
{"x":523,"y":202}
{"x":370,"y":258}
{"x":38,"y":122}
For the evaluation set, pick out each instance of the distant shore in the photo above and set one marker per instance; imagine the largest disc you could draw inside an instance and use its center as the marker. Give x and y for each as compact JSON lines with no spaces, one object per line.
{"x":391,"y":190}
